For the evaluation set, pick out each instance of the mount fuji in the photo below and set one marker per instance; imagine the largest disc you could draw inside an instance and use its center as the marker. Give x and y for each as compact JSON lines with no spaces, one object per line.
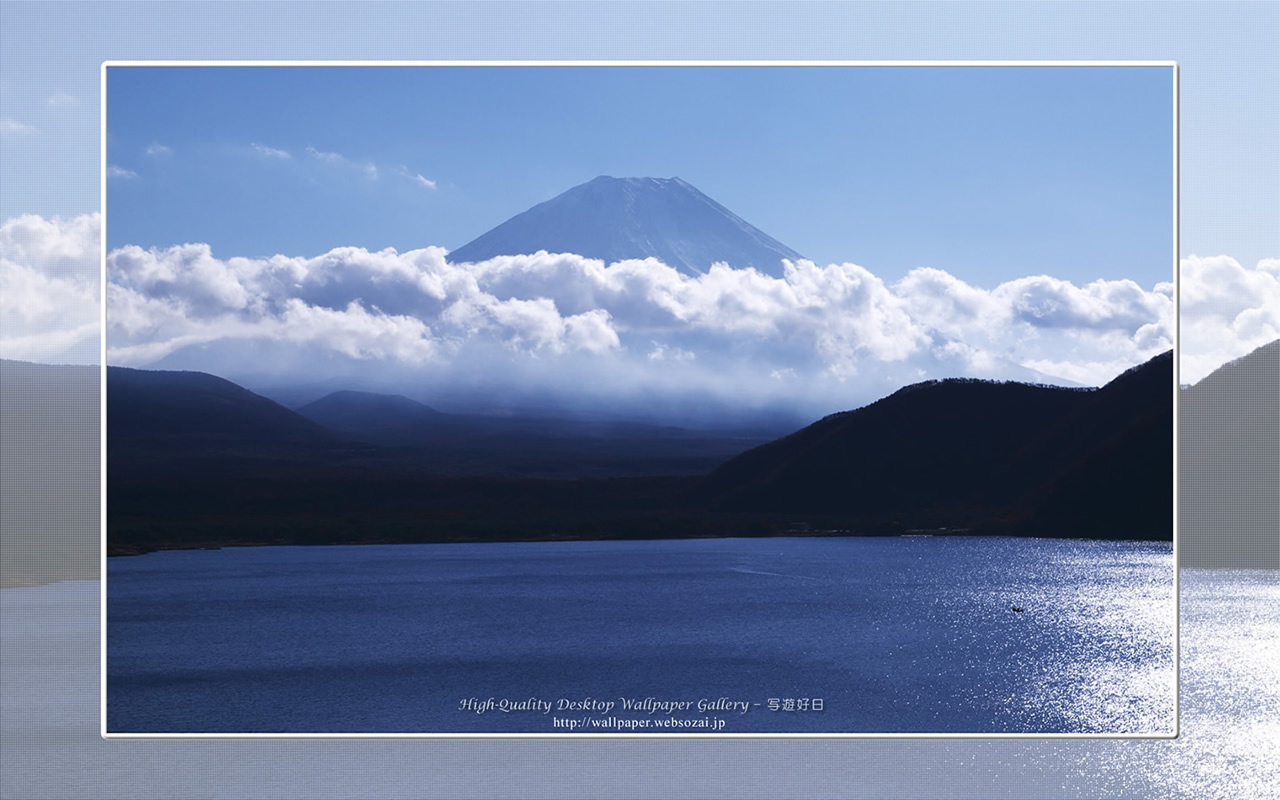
{"x":623,"y":218}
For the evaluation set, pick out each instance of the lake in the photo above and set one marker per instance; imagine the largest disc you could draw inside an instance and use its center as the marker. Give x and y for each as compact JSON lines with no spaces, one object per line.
{"x":782,"y":635}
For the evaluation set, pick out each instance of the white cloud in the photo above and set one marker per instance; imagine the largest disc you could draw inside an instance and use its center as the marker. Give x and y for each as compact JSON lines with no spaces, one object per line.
{"x":270,"y":152}
{"x":591,"y":332}
{"x":416,"y":177}
{"x":1228,"y":310}
{"x":839,"y":330}
{"x":321,"y":155}
{"x":61,"y":99}
{"x":63,"y":248}
{"x":369,"y":168}
{"x":358,"y":333}
{"x":14,"y":126}
{"x":833,"y":335}
{"x":49,"y":289}
{"x":120,"y":172}
{"x":155,"y":149}
{"x":190,"y":275}
{"x":662,"y":352}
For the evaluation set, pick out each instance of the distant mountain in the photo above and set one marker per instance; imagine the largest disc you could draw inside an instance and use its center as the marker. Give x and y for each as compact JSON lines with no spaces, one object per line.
{"x":549,"y":446}
{"x":622,"y":218}
{"x":155,"y":417}
{"x":196,"y":425}
{"x":368,"y":414}
{"x":50,"y":458}
{"x":1229,"y":454}
{"x":957,"y":453}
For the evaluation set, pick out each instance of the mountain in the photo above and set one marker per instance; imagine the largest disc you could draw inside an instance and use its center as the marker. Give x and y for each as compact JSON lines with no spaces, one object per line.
{"x":958,"y":453}
{"x":926,"y":447}
{"x":147,"y":405}
{"x":545,"y":446}
{"x":171,"y":425}
{"x":1229,"y":457}
{"x":50,"y":460}
{"x":1114,"y":457}
{"x":371,"y":415}
{"x":1104,"y":415}
{"x":198,"y":461}
{"x":157,"y":420}
{"x":622,"y":218}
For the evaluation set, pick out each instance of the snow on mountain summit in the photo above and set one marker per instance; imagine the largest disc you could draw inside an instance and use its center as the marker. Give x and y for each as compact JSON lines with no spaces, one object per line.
{"x":620,"y":218}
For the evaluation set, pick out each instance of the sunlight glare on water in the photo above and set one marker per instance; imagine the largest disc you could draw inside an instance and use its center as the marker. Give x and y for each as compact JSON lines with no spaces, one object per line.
{"x":1119,"y":628}
{"x":1229,"y":741}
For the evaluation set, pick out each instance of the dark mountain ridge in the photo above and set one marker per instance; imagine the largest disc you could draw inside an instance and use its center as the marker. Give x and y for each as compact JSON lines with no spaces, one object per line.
{"x":174,"y":423}
{"x":1103,"y":414}
{"x":623,"y":218}
{"x":964,"y":453}
{"x":198,"y":460}
{"x":195,"y":424}
{"x":926,"y":433}
{"x":163,"y":408}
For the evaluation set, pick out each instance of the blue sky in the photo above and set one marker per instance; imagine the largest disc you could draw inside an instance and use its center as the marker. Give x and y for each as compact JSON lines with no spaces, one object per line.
{"x":50,"y":53}
{"x":50,"y":57}
{"x":990,"y":173}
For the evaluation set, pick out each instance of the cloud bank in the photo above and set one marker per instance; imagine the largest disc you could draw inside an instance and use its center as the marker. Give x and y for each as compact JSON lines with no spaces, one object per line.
{"x":827,"y":335}
{"x":822,"y":336}
{"x":50,"y":309}
{"x":1228,"y":310}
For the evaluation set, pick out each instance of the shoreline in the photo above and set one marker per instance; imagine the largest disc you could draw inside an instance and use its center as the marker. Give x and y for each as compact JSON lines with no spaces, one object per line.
{"x":126,"y":551}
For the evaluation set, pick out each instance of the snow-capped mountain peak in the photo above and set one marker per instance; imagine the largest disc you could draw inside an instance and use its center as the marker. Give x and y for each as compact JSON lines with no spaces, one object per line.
{"x":621,"y":218}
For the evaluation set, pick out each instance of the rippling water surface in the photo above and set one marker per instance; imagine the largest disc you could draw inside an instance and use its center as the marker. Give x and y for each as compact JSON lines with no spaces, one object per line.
{"x":929,"y":634}
{"x":49,"y":722}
